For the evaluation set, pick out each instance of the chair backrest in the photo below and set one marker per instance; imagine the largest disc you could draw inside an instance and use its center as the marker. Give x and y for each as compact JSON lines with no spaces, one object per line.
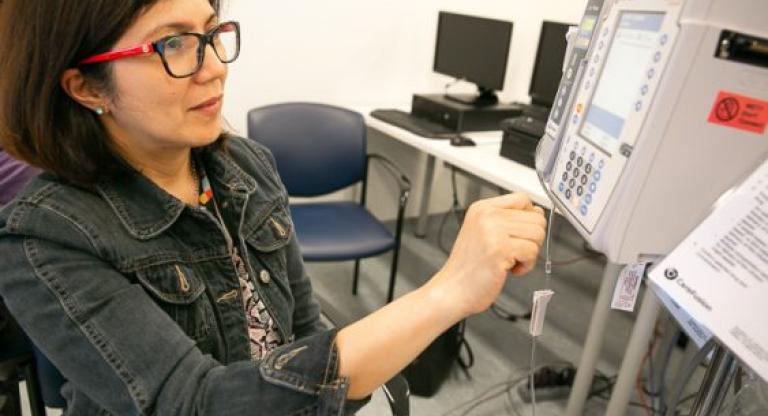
{"x":318,"y":148}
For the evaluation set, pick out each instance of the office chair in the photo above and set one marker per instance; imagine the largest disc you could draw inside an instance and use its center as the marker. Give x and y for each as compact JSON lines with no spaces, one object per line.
{"x":16,"y":348}
{"x":320,"y":149}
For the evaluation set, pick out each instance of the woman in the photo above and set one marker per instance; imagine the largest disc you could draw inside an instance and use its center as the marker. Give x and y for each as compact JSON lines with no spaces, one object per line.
{"x":154,"y":263}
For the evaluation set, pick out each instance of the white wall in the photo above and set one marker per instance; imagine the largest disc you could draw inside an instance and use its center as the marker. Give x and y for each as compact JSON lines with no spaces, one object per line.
{"x":366,"y":54}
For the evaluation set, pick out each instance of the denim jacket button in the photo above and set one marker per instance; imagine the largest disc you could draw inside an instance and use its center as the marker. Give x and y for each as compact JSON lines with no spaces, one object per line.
{"x":264,"y":276}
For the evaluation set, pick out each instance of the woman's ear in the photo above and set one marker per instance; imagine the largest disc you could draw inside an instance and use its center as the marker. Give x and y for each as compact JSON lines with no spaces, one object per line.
{"x":74,"y":83}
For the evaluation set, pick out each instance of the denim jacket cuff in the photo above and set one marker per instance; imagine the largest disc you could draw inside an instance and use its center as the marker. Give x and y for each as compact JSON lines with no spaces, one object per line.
{"x":311,"y":365}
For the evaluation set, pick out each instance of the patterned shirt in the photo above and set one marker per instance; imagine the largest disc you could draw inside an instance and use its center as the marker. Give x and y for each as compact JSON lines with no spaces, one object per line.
{"x":262,"y":329}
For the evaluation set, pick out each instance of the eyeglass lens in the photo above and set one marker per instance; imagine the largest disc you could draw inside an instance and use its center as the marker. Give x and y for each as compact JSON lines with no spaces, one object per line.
{"x":183,"y":54}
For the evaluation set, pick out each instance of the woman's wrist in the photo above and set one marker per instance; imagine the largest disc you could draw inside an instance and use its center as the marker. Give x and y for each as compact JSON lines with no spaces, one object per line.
{"x":445,"y":300}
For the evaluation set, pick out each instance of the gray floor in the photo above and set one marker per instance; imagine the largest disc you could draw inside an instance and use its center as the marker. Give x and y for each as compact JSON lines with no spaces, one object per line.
{"x":502,"y":349}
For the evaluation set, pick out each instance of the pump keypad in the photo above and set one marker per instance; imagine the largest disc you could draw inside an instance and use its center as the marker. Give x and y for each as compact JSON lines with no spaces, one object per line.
{"x":579,"y":181}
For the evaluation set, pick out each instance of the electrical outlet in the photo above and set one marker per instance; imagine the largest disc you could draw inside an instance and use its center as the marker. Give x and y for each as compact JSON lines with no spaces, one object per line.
{"x":552,"y":383}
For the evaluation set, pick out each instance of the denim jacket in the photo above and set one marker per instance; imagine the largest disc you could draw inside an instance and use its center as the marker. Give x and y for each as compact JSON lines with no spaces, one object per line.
{"x":134,"y":297}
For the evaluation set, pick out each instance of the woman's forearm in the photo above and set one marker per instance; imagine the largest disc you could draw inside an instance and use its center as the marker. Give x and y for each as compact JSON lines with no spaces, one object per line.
{"x":499,"y":236}
{"x":375,"y":348}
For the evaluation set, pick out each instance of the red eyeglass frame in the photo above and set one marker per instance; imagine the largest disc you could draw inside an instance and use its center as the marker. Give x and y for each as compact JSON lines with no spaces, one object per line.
{"x":152,"y":47}
{"x":115,"y":54}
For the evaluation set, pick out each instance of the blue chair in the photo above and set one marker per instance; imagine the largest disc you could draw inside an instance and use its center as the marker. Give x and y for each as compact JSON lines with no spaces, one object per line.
{"x":320,"y":149}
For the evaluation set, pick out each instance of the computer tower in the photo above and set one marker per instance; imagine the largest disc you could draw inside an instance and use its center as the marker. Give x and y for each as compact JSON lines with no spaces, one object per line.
{"x":431,"y":368}
{"x":520,"y":137}
{"x":459,"y":116}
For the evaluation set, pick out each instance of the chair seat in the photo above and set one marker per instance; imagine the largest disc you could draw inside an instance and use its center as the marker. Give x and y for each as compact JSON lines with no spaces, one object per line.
{"x":339,"y":231}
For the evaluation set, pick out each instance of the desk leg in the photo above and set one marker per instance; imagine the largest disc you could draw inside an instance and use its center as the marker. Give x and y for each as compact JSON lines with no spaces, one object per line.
{"x":473,"y":192}
{"x":582,"y":384}
{"x":426,"y":193}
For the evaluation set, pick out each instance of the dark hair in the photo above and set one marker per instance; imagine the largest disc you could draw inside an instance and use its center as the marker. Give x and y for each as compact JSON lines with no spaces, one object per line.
{"x":39,"y":123}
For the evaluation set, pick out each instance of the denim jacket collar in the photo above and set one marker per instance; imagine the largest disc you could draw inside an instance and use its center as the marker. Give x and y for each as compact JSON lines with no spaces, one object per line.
{"x":146,"y":210}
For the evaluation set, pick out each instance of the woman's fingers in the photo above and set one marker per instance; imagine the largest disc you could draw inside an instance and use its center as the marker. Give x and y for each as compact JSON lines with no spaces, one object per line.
{"x":522,"y":252}
{"x":532,"y":232}
{"x":530,"y":217}
{"x":511,"y":201}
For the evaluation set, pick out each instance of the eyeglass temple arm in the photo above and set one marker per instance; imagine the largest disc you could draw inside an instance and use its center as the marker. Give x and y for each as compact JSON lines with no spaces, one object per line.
{"x":112,"y":55}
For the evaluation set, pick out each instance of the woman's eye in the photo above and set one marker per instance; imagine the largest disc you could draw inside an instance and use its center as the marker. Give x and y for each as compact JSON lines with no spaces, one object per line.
{"x":175,"y":43}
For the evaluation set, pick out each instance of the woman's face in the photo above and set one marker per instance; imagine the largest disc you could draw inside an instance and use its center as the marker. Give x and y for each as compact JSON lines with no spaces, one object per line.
{"x":153,"y":111}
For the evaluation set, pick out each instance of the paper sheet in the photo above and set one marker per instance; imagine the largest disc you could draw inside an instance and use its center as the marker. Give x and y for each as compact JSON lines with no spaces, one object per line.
{"x":719,"y":274}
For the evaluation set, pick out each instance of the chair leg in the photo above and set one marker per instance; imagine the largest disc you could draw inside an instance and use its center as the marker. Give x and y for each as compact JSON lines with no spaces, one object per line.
{"x":354,"y":279}
{"x":396,"y":253}
{"x":34,"y":390}
{"x":398,"y":395}
{"x":393,"y":274}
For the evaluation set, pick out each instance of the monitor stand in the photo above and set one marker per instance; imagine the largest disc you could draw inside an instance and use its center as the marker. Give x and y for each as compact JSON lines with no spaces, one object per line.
{"x":485,"y":97}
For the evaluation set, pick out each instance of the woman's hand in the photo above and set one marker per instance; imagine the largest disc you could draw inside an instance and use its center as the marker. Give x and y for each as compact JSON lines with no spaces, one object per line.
{"x":499,"y":235}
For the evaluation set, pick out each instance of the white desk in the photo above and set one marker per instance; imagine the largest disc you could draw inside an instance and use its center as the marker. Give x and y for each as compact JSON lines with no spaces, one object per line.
{"x":482,"y":161}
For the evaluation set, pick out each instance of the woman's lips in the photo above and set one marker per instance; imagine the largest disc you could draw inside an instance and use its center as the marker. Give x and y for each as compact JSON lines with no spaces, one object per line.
{"x":209,"y":106}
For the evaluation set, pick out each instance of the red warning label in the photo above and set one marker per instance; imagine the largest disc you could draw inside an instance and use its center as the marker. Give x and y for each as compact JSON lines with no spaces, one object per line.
{"x":738,"y":111}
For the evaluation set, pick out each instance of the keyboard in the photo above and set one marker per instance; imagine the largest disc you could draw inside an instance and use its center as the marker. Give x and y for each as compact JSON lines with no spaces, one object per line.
{"x":416,"y":125}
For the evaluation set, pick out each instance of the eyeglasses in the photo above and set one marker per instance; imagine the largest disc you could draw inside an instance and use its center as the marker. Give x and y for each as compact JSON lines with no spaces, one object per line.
{"x":183,"y":54}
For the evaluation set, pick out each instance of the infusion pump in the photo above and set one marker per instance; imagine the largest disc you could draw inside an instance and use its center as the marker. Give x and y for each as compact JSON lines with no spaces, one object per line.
{"x":669,"y":113}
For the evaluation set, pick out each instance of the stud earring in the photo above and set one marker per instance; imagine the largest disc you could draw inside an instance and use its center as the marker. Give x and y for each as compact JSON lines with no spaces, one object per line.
{"x":99,"y":111}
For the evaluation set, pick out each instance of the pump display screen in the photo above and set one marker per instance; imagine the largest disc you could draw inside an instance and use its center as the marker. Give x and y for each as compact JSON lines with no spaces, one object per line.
{"x":624,"y":73}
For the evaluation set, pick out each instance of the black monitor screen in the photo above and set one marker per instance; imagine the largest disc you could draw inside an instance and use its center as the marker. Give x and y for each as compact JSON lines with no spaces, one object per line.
{"x":547,"y":69}
{"x":473,"y":48}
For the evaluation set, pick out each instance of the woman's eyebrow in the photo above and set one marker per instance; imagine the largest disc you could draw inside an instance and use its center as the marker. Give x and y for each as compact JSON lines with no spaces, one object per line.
{"x":178,"y":27}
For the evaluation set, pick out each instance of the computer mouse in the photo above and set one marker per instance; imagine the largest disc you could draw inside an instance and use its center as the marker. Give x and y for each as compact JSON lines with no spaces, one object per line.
{"x":459,"y":140}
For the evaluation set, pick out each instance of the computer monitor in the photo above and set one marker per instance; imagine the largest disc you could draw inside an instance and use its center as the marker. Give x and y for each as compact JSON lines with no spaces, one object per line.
{"x":547,"y":69}
{"x":474,"y":49}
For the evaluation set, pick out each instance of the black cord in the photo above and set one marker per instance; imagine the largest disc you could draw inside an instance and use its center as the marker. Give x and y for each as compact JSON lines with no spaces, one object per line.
{"x":465,"y":363}
{"x":506,"y":315}
{"x":608,"y":388}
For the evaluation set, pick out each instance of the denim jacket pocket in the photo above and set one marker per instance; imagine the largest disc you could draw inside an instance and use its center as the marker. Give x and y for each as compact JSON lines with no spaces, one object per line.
{"x":178,"y":291}
{"x":273,"y":232}
{"x":269,"y":237}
